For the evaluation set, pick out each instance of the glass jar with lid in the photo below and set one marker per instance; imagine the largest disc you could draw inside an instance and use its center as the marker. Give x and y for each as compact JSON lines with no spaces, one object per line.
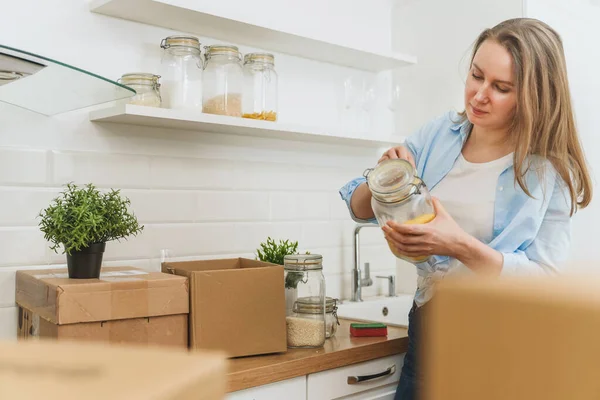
{"x":398,"y":194}
{"x":223,"y":81}
{"x":181,"y":71}
{"x":305,"y":290}
{"x":260,"y":87}
{"x":146,"y":86}
{"x":310,"y":308}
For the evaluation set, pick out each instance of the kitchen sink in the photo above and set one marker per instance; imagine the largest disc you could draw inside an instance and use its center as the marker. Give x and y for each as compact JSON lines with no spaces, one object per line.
{"x":391,"y":311}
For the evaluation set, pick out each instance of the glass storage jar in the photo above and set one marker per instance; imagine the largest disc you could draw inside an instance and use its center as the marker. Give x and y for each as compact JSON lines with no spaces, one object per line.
{"x":260,"y":87}
{"x":146,"y":86}
{"x":310,"y":308}
{"x":223,"y":81}
{"x":398,"y":194}
{"x":304,"y":288}
{"x":181,"y":71}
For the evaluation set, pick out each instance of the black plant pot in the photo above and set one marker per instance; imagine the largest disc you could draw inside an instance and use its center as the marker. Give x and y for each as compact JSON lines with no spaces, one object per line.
{"x":86,"y":263}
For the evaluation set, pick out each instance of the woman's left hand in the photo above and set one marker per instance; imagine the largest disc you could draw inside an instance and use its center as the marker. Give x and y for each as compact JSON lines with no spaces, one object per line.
{"x":442,"y":236}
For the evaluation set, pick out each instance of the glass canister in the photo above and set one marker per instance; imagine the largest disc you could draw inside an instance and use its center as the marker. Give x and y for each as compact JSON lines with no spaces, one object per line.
{"x":223,"y":81}
{"x":310,"y":308}
{"x":398,"y":194}
{"x":260,"y":87}
{"x":146,"y":86}
{"x":181,"y":70}
{"x":305,"y":289}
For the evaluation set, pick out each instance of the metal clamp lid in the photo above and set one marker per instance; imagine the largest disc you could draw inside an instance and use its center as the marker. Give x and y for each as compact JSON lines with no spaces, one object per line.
{"x":393,"y":181}
{"x":180,"y":41}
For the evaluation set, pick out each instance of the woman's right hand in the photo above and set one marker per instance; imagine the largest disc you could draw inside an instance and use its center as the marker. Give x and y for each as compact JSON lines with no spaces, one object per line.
{"x":398,"y":152}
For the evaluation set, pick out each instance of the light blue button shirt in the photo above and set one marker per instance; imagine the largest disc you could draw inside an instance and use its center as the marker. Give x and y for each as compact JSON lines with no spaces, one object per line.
{"x":532,"y":233}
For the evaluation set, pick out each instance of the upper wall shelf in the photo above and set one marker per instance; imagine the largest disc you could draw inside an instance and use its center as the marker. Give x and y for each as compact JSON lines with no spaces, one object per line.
{"x":162,"y":13}
{"x":201,"y":122}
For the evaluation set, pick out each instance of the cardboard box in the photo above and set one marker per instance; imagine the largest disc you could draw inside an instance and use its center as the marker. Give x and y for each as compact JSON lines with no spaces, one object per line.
{"x":517,"y":338}
{"x":236,"y":305}
{"x":125,"y":305}
{"x":168,"y":330}
{"x":51,"y":370}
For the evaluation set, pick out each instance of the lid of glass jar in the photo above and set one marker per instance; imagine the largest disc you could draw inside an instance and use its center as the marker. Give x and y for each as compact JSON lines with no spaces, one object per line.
{"x":313,"y":305}
{"x":262,"y":58}
{"x":139,"y":78}
{"x":393,"y":180}
{"x":180,"y":41}
{"x":222,"y":50}
{"x":303,"y":262}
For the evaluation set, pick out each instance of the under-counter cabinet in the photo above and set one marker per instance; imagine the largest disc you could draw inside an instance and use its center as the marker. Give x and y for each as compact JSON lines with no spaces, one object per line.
{"x":290,"y":389}
{"x":374,"y":380}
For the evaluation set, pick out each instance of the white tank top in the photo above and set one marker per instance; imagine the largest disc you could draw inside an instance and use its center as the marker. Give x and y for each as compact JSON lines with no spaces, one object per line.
{"x":468,"y":193}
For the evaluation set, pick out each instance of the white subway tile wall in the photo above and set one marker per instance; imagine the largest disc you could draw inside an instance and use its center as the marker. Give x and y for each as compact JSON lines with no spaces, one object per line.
{"x":199,"y":194}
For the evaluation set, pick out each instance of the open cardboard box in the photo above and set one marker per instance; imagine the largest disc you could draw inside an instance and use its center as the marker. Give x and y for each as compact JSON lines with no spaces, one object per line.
{"x":236,"y":305}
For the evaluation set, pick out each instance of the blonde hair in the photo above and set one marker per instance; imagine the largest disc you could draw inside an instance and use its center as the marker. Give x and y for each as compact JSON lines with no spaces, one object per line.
{"x":543,"y":124}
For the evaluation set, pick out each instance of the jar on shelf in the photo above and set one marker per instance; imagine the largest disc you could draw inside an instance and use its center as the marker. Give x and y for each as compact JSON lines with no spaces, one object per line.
{"x":305,"y":289}
{"x":223,"y":81}
{"x":398,"y":194}
{"x":260,"y":87}
{"x":181,"y":71}
{"x":146,"y":86}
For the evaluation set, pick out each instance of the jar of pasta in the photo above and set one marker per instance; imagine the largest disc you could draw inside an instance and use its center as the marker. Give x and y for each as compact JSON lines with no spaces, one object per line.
{"x":398,"y":194}
{"x":260,"y":87}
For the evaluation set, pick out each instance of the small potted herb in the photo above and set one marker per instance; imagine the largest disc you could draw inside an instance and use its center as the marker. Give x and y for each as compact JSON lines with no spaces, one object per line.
{"x":81,"y":220}
{"x":273,"y":252}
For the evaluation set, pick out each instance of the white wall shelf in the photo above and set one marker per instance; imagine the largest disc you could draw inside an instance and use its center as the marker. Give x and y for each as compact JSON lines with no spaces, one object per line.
{"x":196,"y":121}
{"x":164,"y":14}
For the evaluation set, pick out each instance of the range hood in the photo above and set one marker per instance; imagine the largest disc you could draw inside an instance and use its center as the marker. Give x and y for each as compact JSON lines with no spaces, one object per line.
{"x":50,"y":87}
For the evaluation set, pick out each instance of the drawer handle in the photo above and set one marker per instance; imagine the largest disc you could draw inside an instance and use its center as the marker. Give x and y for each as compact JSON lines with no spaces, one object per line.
{"x":352,"y":380}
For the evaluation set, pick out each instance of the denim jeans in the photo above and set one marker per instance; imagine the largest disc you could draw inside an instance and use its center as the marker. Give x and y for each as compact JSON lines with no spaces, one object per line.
{"x":411,"y":377}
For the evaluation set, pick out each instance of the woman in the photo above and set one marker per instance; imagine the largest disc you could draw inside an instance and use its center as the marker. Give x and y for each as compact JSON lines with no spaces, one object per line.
{"x":506,"y":174}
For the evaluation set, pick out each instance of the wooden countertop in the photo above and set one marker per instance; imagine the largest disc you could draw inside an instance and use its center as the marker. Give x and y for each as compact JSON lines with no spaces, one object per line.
{"x":341,"y":350}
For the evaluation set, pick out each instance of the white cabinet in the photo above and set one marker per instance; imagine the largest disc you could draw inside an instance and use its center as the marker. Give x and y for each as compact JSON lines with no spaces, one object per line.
{"x":376,"y":379}
{"x":290,"y":389}
{"x":369,"y":380}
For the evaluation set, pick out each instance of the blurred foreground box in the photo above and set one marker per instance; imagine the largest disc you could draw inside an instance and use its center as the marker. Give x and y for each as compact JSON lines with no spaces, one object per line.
{"x":52,"y":370}
{"x":514,"y":338}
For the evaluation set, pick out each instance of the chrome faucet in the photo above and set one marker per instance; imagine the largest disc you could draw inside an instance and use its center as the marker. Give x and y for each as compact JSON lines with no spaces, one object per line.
{"x":391,"y":284}
{"x":358,"y":282}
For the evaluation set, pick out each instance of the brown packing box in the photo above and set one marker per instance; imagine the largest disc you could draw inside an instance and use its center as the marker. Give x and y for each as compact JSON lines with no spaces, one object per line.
{"x":169,"y":330}
{"x":125,"y":305}
{"x":514,"y":338}
{"x":51,"y":370}
{"x":236,"y":305}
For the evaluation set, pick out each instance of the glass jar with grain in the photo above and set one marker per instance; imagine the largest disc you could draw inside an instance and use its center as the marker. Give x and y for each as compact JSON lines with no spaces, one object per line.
{"x":311,"y":308}
{"x":398,"y":194}
{"x":305,"y":297}
{"x":146,"y":86}
{"x":260,"y":87}
{"x":222,"y":81}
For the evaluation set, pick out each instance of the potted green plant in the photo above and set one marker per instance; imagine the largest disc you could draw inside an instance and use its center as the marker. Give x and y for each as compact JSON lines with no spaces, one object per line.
{"x":81,"y":220}
{"x":273,"y":252}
